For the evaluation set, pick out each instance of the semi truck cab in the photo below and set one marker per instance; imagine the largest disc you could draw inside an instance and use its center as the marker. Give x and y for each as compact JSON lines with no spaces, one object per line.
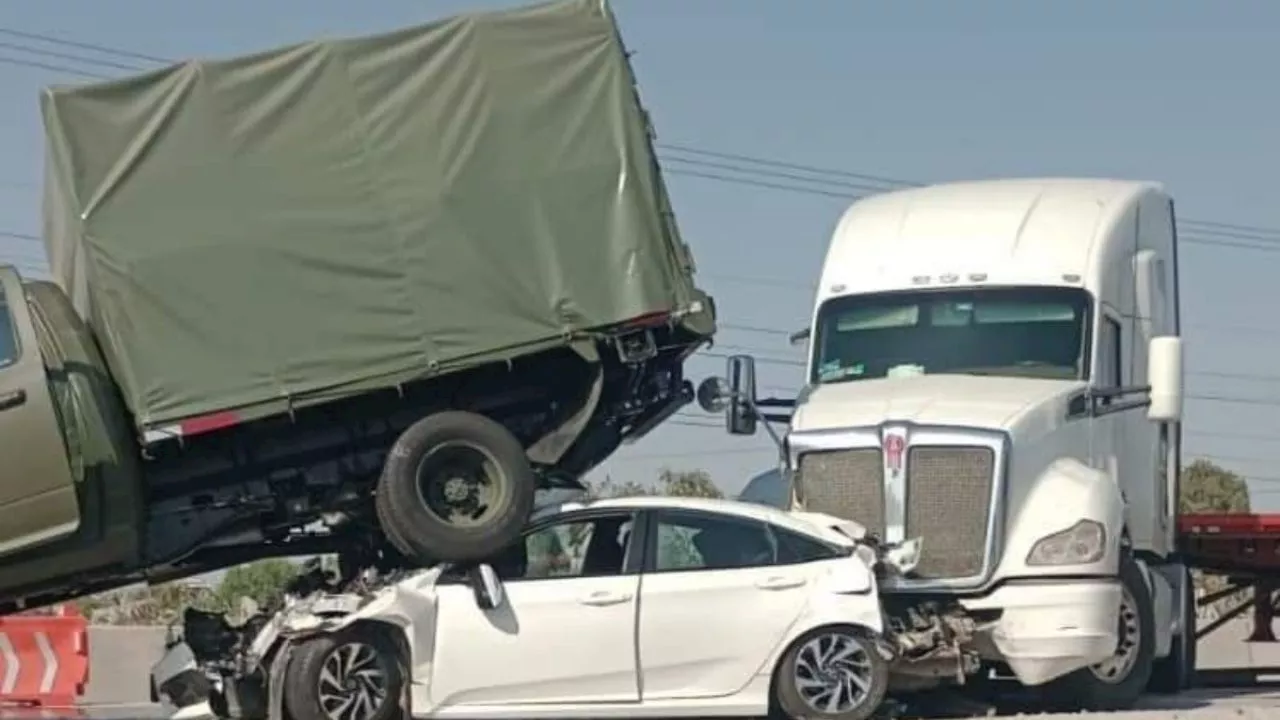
{"x":995,"y":367}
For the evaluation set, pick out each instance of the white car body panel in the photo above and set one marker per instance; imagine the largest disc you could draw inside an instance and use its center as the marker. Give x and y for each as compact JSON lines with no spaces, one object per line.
{"x":662,"y":644}
{"x":551,"y":641}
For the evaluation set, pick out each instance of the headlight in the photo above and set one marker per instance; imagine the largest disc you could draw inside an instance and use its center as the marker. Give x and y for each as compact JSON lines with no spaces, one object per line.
{"x":1080,"y":544}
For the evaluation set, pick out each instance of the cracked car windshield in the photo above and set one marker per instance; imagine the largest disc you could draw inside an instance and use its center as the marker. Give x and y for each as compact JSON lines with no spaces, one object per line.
{"x":1018,"y":332}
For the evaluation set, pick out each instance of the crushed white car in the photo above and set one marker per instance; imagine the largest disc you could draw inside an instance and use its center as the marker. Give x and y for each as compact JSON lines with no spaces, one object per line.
{"x":633,"y":606}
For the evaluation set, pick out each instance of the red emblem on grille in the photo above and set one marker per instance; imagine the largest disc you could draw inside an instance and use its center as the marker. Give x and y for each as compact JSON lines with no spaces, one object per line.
{"x":894,"y":445}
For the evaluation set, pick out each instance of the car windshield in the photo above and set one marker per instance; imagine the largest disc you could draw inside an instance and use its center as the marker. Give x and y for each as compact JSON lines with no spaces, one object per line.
{"x":8,"y":336}
{"x":1022,"y":332}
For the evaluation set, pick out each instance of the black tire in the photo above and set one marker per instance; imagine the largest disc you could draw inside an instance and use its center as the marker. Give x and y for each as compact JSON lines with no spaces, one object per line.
{"x":1177,"y":672}
{"x":382,"y":505}
{"x":1086,"y":689}
{"x":791,"y":701}
{"x":469,"y":444}
{"x":308,"y":696}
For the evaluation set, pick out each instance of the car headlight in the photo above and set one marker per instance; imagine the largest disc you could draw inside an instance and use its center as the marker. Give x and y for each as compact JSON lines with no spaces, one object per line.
{"x":1081,"y":544}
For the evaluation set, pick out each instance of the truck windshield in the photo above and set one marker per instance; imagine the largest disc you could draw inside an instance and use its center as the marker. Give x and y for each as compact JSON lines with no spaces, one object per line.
{"x":1037,"y":332}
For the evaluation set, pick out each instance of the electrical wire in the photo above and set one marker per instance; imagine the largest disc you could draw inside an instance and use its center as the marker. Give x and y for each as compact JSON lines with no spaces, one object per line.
{"x":717,"y":166}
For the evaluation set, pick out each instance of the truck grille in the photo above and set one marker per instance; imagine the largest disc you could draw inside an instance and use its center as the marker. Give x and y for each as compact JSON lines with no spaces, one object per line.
{"x":847,"y":484}
{"x":948,"y":502}
{"x":949,"y":495}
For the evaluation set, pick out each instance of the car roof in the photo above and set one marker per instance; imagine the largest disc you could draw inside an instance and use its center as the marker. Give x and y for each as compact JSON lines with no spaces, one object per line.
{"x":804,"y":523}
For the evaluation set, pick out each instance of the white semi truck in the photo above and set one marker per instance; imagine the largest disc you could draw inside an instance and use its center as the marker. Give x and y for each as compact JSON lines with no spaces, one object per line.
{"x":995,"y":367}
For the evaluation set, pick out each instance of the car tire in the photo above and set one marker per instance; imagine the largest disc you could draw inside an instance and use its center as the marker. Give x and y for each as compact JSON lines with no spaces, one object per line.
{"x":808,"y":660}
{"x":358,"y":666}
{"x":449,"y":463}
{"x":1119,"y":681}
{"x":1177,"y":672}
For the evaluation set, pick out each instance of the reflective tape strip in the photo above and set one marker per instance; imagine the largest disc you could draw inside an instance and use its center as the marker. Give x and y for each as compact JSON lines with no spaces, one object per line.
{"x":10,"y":665}
{"x":50,"y":663}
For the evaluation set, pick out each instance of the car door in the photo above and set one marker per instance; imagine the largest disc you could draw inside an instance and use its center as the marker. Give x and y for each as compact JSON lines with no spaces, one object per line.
{"x":38,"y":501}
{"x":714,"y":603}
{"x":565,"y":631}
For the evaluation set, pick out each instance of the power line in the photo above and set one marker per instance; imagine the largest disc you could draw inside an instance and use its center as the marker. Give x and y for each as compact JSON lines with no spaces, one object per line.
{"x":81,"y":45}
{"x":763,"y":167}
{"x":710,"y":165}
{"x":870,"y":182}
{"x":68,"y":56}
{"x":769,"y":162}
{"x":7,"y":60}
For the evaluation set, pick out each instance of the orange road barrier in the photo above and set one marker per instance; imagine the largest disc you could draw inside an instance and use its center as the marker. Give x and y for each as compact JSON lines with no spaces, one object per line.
{"x":44,"y":659}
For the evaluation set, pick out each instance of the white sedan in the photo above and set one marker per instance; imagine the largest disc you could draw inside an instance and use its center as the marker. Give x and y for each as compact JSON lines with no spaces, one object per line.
{"x":647,"y":606}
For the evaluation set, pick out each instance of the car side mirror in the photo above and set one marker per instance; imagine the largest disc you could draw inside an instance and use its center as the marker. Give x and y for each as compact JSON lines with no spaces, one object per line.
{"x":740,"y":415}
{"x":1164,"y":375}
{"x":487,"y":586}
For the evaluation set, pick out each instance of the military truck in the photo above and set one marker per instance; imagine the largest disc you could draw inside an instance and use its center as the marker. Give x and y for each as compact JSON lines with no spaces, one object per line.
{"x":364,"y":296}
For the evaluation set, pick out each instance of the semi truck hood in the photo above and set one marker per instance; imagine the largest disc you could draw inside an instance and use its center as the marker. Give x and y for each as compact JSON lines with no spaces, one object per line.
{"x":965,"y":400}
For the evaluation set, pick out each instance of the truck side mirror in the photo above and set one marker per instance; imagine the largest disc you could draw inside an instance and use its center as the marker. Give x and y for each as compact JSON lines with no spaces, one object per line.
{"x":1164,"y":374}
{"x":798,"y":337}
{"x":740,"y":416}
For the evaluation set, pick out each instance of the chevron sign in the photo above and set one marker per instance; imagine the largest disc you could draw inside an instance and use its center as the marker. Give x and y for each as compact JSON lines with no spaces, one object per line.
{"x":27,"y":670}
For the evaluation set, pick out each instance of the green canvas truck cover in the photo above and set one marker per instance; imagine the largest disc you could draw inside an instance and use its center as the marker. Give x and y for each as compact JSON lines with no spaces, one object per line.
{"x":244,"y":233}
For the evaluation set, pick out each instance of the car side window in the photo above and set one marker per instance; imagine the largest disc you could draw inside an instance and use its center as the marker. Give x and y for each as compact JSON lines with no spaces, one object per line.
{"x":794,"y":548}
{"x":8,"y":334}
{"x":588,"y":547}
{"x":700,"y":541}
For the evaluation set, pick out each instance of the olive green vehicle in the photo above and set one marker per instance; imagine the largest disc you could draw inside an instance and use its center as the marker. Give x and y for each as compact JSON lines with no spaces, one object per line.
{"x":364,"y":296}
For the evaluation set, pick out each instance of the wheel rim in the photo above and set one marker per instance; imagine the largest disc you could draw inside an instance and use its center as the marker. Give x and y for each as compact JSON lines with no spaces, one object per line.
{"x":461,"y":483}
{"x":353,"y":683}
{"x":1116,"y":668}
{"x":833,"y":673}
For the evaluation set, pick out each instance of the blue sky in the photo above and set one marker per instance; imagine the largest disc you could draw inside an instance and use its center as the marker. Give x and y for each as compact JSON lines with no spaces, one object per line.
{"x":1179,"y":92}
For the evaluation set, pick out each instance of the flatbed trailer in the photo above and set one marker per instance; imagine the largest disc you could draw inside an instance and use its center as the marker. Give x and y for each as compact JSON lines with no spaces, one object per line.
{"x":1243,"y":549}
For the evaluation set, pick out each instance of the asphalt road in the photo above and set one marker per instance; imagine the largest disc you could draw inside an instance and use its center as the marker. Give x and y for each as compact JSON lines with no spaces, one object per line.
{"x":120,"y":659}
{"x":1203,"y":704}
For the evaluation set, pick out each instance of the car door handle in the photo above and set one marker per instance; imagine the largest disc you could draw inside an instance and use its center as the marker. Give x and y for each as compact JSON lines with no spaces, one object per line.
{"x":780,"y":583}
{"x":600,"y":599}
{"x":12,"y":399}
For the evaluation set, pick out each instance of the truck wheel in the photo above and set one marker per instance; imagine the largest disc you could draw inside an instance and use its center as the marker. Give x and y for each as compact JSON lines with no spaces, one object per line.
{"x":1117,"y":682}
{"x":1177,"y":672}
{"x":456,"y":487}
{"x":831,"y":673}
{"x":354,"y":674}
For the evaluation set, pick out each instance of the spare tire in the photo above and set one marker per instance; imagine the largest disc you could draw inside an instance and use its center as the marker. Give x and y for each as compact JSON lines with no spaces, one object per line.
{"x":456,"y":487}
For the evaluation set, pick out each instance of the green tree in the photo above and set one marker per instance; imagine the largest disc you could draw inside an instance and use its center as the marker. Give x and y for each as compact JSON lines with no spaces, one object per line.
{"x":688,"y":483}
{"x":677,"y":546}
{"x":678,"y":483}
{"x":263,"y":582}
{"x":1211,"y":488}
{"x":147,"y":605}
